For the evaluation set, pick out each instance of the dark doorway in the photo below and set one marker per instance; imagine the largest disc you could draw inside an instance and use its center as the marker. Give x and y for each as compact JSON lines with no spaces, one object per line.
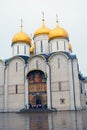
{"x":38,"y":100}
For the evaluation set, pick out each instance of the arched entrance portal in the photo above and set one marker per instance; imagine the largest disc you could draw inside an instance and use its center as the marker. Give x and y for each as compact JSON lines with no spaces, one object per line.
{"x":37,"y":89}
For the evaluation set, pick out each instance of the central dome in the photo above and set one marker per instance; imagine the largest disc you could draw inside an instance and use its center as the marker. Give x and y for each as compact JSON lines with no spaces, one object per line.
{"x":21,"y":37}
{"x":42,"y":30}
{"x":58,"y":32}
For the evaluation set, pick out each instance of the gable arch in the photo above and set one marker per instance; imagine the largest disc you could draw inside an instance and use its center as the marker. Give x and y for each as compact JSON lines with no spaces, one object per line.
{"x":15,"y":58}
{"x":40,"y":56}
{"x":16,"y":69}
{"x":37,"y":63}
{"x":57,"y":53}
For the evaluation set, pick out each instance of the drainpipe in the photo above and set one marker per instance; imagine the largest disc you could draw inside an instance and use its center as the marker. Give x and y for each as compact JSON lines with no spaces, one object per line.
{"x":50,"y":84}
{"x":73,"y":86}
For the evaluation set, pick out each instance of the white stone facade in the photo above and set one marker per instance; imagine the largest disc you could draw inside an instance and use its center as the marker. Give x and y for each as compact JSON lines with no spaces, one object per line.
{"x":58,"y":66}
{"x":62,"y":92}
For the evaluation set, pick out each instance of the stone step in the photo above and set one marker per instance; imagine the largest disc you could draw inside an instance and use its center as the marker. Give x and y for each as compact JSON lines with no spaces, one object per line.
{"x":37,"y":110}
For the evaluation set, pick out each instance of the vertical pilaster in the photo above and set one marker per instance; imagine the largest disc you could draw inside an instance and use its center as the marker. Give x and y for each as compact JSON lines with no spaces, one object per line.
{"x":48,"y":87}
{"x":26,"y":86}
{"x":5,"y":88}
{"x":76,"y":85}
{"x":71,"y":86}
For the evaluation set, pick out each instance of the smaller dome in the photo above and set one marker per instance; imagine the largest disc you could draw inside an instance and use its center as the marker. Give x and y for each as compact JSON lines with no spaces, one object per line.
{"x":42,"y":30}
{"x":32,"y":48}
{"x":58,"y":32}
{"x":21,"y":37}
{"x":70,"y":47}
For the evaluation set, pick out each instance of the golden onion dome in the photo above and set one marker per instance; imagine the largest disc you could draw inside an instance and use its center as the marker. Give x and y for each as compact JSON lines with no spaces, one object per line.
{"x":21,"y":37}
{"x":58,"y":32}
{"x":32,"y":48}
{"x":42,"y":30}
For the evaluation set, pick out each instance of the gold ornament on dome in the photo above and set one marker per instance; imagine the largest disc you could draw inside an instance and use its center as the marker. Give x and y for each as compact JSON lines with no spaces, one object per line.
{"x":43,"y":29}
{"x":58,"y":32}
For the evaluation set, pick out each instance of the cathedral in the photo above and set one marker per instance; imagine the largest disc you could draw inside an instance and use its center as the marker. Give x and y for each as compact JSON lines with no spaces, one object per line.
{"x":42,"y":72}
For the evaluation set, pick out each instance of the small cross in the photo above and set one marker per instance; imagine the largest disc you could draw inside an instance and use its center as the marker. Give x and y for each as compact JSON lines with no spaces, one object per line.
{"x":57,"y":18}
{"x":43,"y":15}
{"x":21,"y":22}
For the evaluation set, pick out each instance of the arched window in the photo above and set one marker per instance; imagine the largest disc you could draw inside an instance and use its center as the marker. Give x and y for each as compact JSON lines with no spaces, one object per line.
{"x":58,"y":63}
{"x":64,"y":45}
{"x":37,"y":64}
{"x":16,"y":66}
{"x":24,"y":49}
{"x":57,"y":45}
{"x":16,"y":89}
{"x":17,"y":49}
{"x":41,"y":46}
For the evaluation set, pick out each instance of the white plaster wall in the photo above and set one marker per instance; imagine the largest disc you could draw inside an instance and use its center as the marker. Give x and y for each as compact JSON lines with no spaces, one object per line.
{"x":15,"y":101}
{"x":53,"y":45}
{"x":1,"y":85}
{"x":1,"y":73}
{"x":37,"y":41}
{"x":83,"y":96}
{"x":71,"y":85}
{"x":56,"y":96}
{"x":76,"y":84}
{"x":85,"y":91}
{"x":41,"y":63}
{"x":21,"y":49}
{"x":13,"y":76}
{"x":60,"y":75}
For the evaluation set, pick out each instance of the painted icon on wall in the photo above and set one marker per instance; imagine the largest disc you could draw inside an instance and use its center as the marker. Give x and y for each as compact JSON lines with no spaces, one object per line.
{"x":36,"y":76}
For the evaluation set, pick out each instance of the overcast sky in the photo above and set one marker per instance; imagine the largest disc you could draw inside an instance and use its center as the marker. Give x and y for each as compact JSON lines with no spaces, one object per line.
{"x":71,"y":14}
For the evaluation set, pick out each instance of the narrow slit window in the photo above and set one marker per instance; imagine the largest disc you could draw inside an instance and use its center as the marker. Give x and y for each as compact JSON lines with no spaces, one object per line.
{"x":16,"y":66}
{"x":59,"y":86}
{"x":64,"y":45}
{"x":24,"y":49}
{"x":37,"y":64}
{"x":17,"y":49}
{"x":41,"y":46}
{"x":57,"y":45}
{"x":81,"y":89}
{"x":58,"y":63}
{"x":16,"y":89}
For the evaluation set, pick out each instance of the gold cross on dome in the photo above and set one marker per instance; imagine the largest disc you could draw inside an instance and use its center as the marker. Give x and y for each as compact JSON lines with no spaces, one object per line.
{"x":56,"y":17}
{"x":21,"y":22}
{"x":43,"y":15}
